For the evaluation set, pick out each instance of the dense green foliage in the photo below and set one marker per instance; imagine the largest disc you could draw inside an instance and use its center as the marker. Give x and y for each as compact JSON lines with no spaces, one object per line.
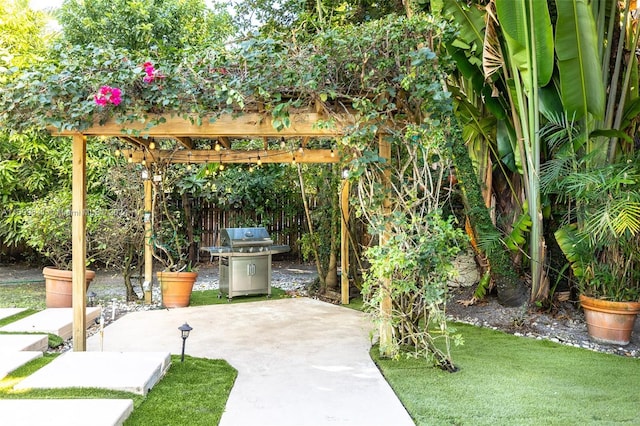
{"x":601,"y":231}
{"x":576,"y":49}
{"x":159,"y":28}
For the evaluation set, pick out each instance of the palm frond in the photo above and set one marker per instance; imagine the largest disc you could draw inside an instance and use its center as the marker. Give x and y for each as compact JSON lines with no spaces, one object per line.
{"x":492,"y":58}
{"x":625,"y":216}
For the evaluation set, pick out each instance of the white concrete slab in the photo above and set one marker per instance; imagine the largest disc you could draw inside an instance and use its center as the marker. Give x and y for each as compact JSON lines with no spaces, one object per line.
{"x":65,"y":412}
{"x":7,"y":312}
{"x":23,"y":342}
{"x":135,"y":372}
{"x":9,"y":361}
{"x":58,"y":321}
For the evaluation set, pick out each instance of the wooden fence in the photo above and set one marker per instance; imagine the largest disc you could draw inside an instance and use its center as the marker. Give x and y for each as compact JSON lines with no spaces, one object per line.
{"x":283,"y":227}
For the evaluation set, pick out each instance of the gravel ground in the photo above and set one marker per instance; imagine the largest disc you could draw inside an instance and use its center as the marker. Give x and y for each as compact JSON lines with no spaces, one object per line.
{"x":563,"y":324}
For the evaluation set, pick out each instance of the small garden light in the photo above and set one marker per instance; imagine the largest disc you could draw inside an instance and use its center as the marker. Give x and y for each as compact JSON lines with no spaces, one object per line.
{"x":92,"y":298}
{"x":185,"y":329}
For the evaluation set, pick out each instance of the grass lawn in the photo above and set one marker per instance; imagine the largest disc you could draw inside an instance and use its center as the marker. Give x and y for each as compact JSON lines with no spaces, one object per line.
{"x":211,"y":297}
{"x":508,"y":380}
{"x":191,"y":393}
{"x":29,"y":295}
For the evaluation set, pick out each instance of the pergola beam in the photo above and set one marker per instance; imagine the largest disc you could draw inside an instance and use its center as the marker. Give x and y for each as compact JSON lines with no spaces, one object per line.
{"x":226,"y":125}
{"x":233,"y":156}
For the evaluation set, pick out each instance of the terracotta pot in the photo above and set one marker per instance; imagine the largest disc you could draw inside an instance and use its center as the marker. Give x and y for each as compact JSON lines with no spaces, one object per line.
{"x":58,"y":286}
{"x":176,"y":288}
{"x":609,"y":322}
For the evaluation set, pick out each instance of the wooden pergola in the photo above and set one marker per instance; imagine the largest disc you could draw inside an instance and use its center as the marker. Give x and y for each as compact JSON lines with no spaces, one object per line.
{"x":185,"y":134}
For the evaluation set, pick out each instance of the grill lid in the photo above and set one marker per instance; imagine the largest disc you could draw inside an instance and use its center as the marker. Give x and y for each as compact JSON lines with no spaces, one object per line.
{"x":245,"y":237}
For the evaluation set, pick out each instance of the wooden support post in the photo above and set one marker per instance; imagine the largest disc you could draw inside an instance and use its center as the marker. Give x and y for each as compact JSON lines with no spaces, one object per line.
{"x":148,"y":246}
{"x":344,"y":242}
{"x":78,"y":240}
{"x":385,"y":330}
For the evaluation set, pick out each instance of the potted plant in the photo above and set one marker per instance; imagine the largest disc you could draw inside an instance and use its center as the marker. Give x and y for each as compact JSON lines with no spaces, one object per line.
{"x":601,"y":244}
{"x":46,"y":227}
{"x":172,"y":240}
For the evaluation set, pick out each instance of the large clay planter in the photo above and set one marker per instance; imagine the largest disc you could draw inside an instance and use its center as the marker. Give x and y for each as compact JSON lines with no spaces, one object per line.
{"x":176,"y":288}
{"x":609,"y":322}
{"x":59,"y":288}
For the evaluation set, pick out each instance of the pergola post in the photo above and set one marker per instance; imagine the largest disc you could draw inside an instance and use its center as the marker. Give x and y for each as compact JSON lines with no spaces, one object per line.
{"x":385,"y":330}
{"x":78,"y":240}
{"x":148,"y":246}
{"x":344,"y":242}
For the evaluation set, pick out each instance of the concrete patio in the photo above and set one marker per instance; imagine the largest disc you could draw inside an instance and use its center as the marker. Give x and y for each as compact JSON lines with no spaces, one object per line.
{"x":300,"y":361}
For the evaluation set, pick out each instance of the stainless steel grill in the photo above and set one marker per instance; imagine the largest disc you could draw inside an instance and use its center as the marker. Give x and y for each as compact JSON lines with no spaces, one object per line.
{"x":245,"y":261}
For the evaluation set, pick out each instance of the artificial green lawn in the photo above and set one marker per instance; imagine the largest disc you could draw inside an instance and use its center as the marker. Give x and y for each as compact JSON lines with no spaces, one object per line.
{"x":503,"y":379}
{"x":210,"y":297}
{"x":191,"y":393}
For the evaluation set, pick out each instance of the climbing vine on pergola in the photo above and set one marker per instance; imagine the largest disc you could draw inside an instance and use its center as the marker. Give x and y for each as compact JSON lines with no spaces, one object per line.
{"x":355,"y":95}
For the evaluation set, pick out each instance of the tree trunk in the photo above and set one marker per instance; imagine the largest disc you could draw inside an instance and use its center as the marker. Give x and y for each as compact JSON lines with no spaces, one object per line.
{"x":132,"y":296}
{"x":316,"y":255}
{"x":188,"y":220}
{"x":511,"y":289}
{"x":332,"y":269}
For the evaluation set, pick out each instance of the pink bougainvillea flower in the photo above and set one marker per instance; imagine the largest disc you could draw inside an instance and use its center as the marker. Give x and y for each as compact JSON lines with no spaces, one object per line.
{"x":100,"y":100}
{"x":151,"y":72}
{"x":108,"y":95}
{"x":115,"y":96}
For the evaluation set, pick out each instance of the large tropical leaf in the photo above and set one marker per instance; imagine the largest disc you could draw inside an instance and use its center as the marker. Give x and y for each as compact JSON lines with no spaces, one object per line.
{"x":507,"y":146}
{"x":527,"y":29}
{"x":521,"y":227}
{"x":575,"y":250}
{"x":470,"y":21}
{"x":581,"y":84}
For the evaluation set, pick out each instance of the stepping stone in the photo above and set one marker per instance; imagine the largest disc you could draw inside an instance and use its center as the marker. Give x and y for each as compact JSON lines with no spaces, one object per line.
{"x":8,"y":312}
{"x":9,"y":361}
{"x":23,"y":342}
{"x":65,"y":412}
{"x":135,"y":372}
{"x":58,"y":321}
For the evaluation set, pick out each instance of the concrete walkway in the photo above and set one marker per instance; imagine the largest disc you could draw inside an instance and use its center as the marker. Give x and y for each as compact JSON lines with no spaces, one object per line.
{"x":58,"y":321}
{"x":299,"y":361}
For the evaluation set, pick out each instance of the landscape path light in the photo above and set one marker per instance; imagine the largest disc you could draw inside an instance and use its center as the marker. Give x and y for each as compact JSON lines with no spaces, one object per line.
{"x":185,"y":329}
{"x":92,"y":298}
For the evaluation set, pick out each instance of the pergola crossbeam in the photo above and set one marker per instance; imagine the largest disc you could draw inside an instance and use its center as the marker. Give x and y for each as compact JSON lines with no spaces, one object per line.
{"x":187,"y":142}
{"x":227,"y":125}
{"x":234,"y":156}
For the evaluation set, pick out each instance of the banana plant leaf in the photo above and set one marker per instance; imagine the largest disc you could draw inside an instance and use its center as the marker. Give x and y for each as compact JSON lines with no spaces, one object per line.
{"x":470,"y":21}
{"x":527,"y":25}
{"x":506,"y":143}
{"x":581,"y":82}
{"x":575,"y":248}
